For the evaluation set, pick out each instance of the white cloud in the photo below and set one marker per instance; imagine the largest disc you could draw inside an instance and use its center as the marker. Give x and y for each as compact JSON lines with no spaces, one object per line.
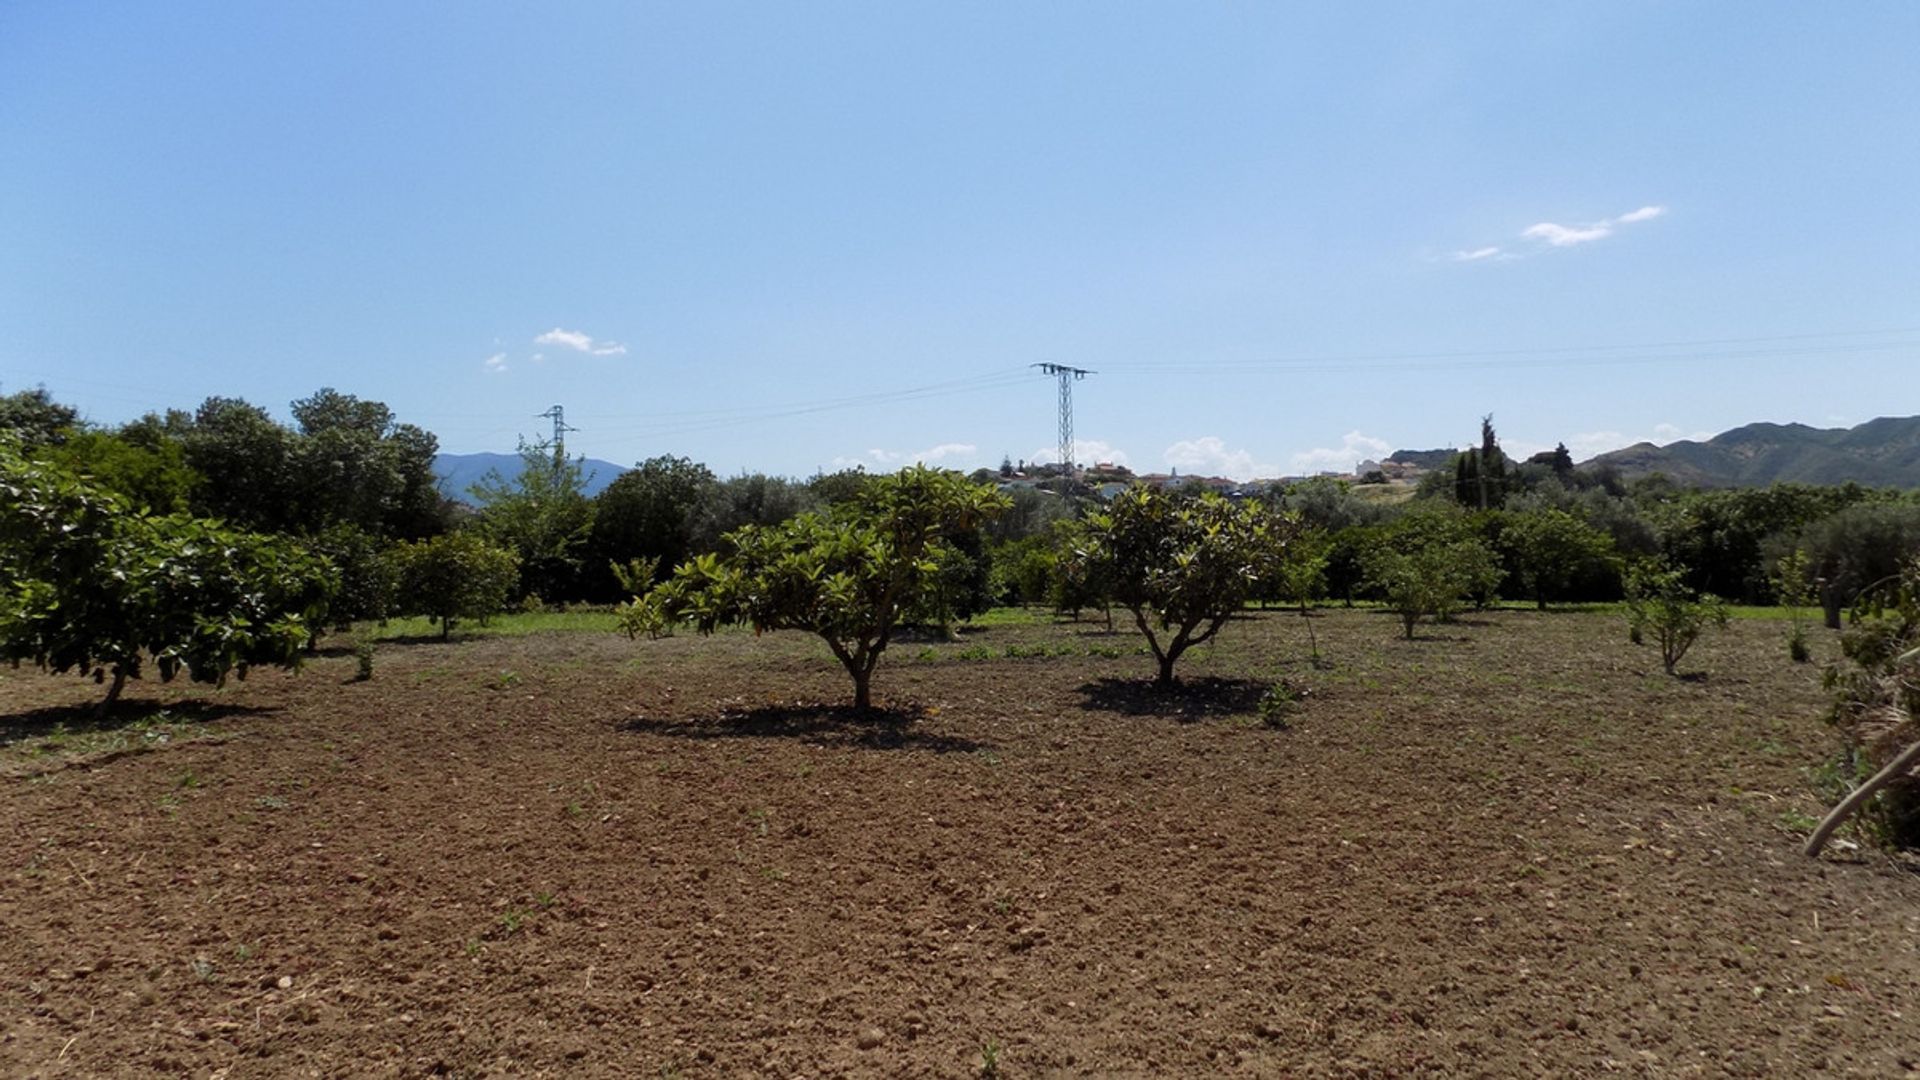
{"x":497,"y":362}
{"x":1552,"y":234}
{"x":1354,"y":448}
{"x":1085,"y":452}
{"x":1210,"y":454}
{"x":968,"y":452}
{"x":580,"y":342}
{"x":1567,"y":235}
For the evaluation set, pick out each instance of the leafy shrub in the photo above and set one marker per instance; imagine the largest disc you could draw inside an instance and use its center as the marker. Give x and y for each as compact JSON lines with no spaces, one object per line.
{"x":1660,"y":602}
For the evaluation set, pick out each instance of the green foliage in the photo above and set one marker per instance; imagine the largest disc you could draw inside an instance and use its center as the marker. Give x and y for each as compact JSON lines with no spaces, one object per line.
{"x":1182,"y":565}
{"x":347,"y":462}
{"x":543,"y":516}
{"x":1793,"y":588}
{"x":368,"y":580}
{"x":1480,"y":475}
{"x":1022,"y":571}
{"x":1549,"y":548}
{"x":749,"y":499}
{"x":1428,"y":565}
{"x":1660,"y":603}
{"x":32,"y":419}
{"x":150,"y":474}
{"x":92,"y":586}
{"x":359,"y":466}
{"x":1848,"y":552}
{"x":1299,"y":575}
{"x":456,"y":576}
{"x":1279,"y":702}
{"x":1718,"y":539}
{"x":652,"y":511}
{"x":848,"y":577}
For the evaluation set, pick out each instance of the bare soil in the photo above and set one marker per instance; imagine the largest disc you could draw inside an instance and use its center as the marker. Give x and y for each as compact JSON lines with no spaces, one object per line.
{"x":1510,"y":848}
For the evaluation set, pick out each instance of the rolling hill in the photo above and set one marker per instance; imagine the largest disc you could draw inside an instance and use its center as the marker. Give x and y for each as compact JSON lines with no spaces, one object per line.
{"x":1879,"y":453}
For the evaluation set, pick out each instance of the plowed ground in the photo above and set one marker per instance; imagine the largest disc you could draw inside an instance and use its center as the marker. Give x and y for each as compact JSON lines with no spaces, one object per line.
{"x":1511,"y":848}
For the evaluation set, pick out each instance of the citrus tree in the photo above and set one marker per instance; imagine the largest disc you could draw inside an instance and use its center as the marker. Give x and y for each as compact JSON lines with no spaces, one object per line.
{"x":1183,"y":565}
{"x":456,"y":576}
{"x":1660,"y":602}
{"x":848,"y":575}
{"x":1429,"y":565}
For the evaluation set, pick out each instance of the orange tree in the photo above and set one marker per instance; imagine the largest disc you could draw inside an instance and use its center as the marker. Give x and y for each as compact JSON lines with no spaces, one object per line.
{"x":1183,"y":565}
{"x":847,"y":575}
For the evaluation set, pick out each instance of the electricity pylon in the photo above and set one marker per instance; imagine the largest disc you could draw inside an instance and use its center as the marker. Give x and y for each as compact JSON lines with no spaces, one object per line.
{"x":1067,"y":376}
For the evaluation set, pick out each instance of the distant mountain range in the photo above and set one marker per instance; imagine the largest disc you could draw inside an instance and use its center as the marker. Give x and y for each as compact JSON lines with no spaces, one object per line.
{"x":458,"y":472}
{"x":1878,"y":453}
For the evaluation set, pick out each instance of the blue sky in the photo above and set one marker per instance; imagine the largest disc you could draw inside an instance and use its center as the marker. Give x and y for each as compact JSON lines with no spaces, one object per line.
{"x":786,"y":237}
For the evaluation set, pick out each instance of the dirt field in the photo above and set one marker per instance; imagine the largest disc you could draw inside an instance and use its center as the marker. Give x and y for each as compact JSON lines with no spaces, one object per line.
{"x":1511,"y":848}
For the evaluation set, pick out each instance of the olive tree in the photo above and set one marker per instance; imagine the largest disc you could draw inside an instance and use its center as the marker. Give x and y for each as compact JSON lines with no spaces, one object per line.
{"x":1183,"y":565}
{"x":848,"y":575}
{"x":88,"y":585}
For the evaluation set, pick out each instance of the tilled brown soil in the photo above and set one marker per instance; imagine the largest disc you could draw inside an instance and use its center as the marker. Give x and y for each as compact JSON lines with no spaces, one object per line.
{"x":1512,"y":848}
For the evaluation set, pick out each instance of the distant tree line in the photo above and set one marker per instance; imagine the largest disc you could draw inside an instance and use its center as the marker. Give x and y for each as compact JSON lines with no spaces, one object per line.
{"x":350,"y":485}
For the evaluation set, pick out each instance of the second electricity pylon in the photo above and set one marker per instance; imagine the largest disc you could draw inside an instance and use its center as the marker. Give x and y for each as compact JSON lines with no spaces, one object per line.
{"x":560,"y":429}
{"x":1067,"y":376}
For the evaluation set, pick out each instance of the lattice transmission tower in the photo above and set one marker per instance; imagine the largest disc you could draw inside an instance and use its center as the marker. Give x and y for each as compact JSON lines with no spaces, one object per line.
{"x":560,"y":428}
{"x":1067,"y":376}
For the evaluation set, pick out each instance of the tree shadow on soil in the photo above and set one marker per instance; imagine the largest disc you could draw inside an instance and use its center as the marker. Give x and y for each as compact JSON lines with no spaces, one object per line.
{"x":841,"y":725}
{"x":1186,"y":700}
{"x":78,"y":719}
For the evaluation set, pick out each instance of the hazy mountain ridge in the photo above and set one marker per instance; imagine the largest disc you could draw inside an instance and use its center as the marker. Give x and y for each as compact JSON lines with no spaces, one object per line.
{"x":458,"y":472}
{"x":1883,"y":452}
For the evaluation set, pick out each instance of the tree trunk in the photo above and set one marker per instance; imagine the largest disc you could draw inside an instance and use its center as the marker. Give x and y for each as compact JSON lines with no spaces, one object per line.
{"x":113,"y":692}
{"x":1164,"y":681}
{"x":1409,"y":619}
{"x":863,"y":690}
{"x":1895,"y":769}
{"x":446,"y":628}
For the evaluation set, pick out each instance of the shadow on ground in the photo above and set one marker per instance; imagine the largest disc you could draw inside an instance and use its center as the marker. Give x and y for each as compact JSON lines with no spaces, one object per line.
{"x":83,"y":719}
{"x":1188,"y":699}
{"x":873,"y":729}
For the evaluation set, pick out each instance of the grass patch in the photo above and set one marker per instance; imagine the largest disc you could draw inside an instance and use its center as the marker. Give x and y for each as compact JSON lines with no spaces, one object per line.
{"x":515,"y":624}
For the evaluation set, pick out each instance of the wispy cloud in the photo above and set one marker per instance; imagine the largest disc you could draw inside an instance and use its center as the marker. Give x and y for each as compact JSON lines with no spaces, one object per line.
{"x":580,"y":341}
{"x":497,"y":362}
{"x":966,"y":452}
{"x":1354,"y":448}
{"x":1552,"y":234}
{"x":1567,"y":235}
{"x":1211,"y":454}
